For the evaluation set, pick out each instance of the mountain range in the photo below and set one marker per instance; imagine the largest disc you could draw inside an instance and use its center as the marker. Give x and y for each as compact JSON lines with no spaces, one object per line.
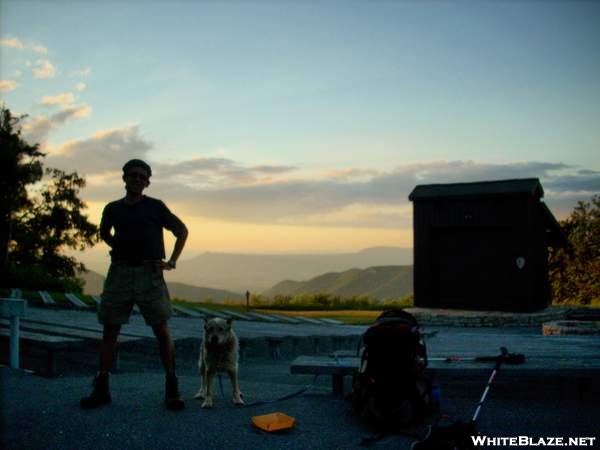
{"x":257,"y":273}
{"x":381,"y":282}
{"x":94,"y":283}
{"x":228,"y":275}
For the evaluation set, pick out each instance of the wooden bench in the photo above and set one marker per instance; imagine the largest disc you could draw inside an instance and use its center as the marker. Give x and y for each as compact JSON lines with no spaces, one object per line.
{"x":59,"y":330}
{"x":336,"y":366}
{"x":46,"y":298}
{"x":211,"y":313}
{"x":287,"y":319}
{"x":187,"y":311}
{"x":309,"y":320}
{"x":75,"y":301}
{"x":263,"y":317}
{"x":51,"y":344}
{"x":236,"y":315}
{"x":86,"y":335}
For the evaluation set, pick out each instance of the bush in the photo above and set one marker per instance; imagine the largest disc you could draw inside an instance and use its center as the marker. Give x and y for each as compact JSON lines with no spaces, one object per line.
{"x":327,"y":302}
{"x":575,"y":270}
{"x":35,"y":278}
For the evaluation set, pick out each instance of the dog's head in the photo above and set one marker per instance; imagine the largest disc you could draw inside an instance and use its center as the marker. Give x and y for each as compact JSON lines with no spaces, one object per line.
{"x":217,"y":331}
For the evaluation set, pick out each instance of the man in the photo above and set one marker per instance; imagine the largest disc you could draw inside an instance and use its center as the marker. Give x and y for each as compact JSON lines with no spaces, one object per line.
{"x":133,"y":229}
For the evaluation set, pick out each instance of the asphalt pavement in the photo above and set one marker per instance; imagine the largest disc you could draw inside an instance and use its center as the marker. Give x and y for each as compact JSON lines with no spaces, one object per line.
{"x":43,"y":413}
{"x":555,"y":394}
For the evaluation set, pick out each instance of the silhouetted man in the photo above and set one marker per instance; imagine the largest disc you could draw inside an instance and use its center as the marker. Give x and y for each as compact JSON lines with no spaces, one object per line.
{"x":133,"y":229}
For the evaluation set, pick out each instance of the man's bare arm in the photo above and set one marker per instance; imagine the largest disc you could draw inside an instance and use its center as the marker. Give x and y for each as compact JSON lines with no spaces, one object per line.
{"x":181,"y":236}
{"x":106,"y":235}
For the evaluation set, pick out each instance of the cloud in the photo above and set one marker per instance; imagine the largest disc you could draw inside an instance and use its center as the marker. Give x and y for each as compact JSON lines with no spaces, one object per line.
{"x":12,"y":43}
{"x":103,"y":152}
{"x":36,"y":130}
{"x":80,"y":87}
{"x":80,"y":111}
{"x":350,"y":174}
{"x":60,"y":99}
{"x":202,"y":172}
{"x":43,"y":69}
{"x":17,"y":44}
{"x":37,"y":48}
{"x":225,"y":189}
{"x":84,"y":72}
{"x":580,"y":181}
{"x":8,"y":85}
{"x":361,"y":198}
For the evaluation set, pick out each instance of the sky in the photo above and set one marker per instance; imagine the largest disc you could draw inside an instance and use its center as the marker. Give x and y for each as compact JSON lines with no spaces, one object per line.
{"x":303,"y":126}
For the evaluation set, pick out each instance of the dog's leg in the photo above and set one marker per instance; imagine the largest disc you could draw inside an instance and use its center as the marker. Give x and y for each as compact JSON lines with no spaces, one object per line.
{"x":208,"y":382}
{"x":202,"y":371}
{"x":235,"y":384}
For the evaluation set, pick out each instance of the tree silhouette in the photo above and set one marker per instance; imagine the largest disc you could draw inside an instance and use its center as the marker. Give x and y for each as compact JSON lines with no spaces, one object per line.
{"x":39,"y":220}
{"x":575,"y":270}
{"x":20,"y":166}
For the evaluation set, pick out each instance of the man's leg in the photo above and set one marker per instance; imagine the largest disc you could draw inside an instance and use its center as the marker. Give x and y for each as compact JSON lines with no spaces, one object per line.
{"x":108,"y":348}
{"x":166,"y":347}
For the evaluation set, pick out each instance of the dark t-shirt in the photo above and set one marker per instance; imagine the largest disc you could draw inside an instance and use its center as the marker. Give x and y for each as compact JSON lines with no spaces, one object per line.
{"x":138,"y":228}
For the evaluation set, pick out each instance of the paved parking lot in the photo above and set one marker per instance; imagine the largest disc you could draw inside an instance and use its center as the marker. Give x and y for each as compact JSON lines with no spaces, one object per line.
{"x":556,"y":393}
{"x":43,"y":413}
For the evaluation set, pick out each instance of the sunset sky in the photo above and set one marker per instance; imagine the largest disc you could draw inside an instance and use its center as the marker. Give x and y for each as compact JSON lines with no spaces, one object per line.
{"x":302,"y":126}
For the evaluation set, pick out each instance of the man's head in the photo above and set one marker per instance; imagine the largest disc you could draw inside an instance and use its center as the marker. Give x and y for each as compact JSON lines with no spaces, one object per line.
{"x":136,"y":174}
{"x":132,"y":163}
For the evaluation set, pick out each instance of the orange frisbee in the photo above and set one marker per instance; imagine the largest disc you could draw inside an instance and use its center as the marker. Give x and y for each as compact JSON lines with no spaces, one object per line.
{"x":273,"y":421}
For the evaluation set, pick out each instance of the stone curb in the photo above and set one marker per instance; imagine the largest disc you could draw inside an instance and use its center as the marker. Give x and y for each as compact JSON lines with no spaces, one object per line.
{"x":491,"y":319}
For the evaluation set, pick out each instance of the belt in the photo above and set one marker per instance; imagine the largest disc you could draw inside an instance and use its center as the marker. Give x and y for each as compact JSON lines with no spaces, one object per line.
{"x":135,"y":262}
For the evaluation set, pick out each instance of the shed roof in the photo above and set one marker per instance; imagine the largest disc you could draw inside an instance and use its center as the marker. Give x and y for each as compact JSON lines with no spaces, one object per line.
{"x":524,"y":186}
{"x":554,"y":233}
{"x":527,"y":186}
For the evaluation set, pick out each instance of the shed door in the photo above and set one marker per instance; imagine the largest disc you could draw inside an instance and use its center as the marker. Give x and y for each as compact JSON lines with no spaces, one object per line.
{"x":473,"y":267}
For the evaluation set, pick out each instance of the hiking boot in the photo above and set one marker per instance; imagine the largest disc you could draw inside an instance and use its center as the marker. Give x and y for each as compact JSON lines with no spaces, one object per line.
{"x":100,"y":395}
{"x":173,"y":400}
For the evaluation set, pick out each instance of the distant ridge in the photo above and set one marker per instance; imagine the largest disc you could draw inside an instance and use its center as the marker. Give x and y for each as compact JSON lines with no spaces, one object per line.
{"x":258,"y":272}
{"x":94,"y":282}
{"x":379,"y":282}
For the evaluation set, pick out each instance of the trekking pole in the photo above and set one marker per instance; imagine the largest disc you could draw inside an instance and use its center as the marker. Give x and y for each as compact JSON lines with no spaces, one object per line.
{"x":458,"y":435}
{"x":510,"y":358}
{"x":499,"y":360}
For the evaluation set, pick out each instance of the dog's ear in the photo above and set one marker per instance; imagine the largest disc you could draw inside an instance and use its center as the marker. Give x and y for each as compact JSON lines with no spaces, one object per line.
{"x":229,"y":321}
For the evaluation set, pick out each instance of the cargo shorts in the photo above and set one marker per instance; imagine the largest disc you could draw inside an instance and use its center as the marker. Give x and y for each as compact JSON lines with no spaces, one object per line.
{"x":127,"y":285}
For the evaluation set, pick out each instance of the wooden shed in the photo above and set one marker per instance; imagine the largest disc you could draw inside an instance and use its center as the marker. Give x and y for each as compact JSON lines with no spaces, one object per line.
{"x":483,"y":245}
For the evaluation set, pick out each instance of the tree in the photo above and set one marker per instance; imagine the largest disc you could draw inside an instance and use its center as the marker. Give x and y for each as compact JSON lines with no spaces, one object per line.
{"x":20,"y":166}
{"x":54,"y":222}
{"x":575,"y":270}
{"x":43,"y":219}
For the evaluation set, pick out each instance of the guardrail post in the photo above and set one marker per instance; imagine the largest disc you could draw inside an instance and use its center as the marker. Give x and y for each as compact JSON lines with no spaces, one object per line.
{"x":14,"y":341}
{"x":14,"y":309}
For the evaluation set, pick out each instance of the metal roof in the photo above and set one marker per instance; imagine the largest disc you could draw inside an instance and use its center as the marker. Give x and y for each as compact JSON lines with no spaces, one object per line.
{"x":528,"y":186}
{"x":524,"y":186}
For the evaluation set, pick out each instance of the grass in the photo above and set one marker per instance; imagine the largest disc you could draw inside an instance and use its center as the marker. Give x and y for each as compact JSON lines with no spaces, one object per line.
{"x":347,"y":316}
{"x":350,"y":317}
{"x":353,"y":311}
{"x":33,"y":297}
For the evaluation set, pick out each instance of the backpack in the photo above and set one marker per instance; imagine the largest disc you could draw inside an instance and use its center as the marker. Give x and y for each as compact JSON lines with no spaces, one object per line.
{"x":390,"y":389}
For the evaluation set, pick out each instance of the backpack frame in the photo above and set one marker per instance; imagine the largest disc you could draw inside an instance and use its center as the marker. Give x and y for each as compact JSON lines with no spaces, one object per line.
{"x":391,"y":390}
